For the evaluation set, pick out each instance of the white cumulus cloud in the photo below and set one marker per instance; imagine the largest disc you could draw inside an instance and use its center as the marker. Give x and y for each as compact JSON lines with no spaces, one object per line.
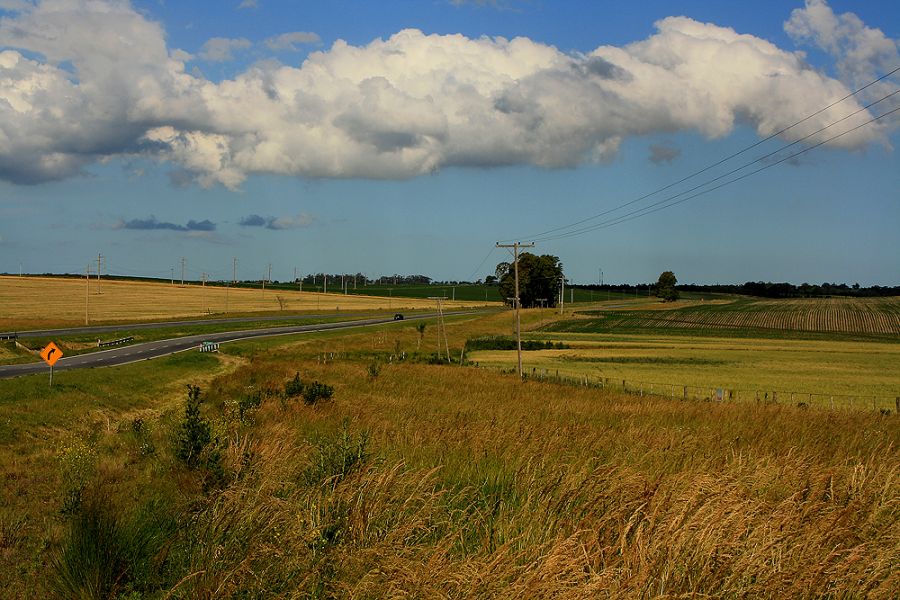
{"x":290,"y":41}
{"x":395,"y":108}
{"x":220,"y":49}
{"x":862,"y":52}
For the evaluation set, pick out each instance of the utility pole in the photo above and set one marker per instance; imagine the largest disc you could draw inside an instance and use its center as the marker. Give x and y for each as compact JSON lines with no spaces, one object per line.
{"x":182,"y":271}
{"x":515,"y":248}
{"x":441,"y":329}
{"x":87,"y":287}
{"x":99,"y":258}
{"x":571,"y":295}
{"x":562,"y":294}
{"x":234,"y":269}
{"x":542,"y":301}
{"x":325,"y":287}
{"x":172,"y":269}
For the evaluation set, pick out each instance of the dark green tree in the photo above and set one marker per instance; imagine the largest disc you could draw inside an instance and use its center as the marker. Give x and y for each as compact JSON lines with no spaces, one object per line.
{"x":665,"y":287}
{"x":538,"y":278}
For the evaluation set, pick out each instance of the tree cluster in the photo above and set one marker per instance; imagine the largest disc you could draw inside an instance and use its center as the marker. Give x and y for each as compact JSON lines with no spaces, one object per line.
{"x":539,"y":278}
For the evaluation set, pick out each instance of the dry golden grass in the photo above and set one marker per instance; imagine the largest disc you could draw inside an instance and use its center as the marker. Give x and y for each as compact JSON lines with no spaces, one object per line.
{"x":472,"y":485}
{"x":478,"y":487}
{"x":39,"y":301}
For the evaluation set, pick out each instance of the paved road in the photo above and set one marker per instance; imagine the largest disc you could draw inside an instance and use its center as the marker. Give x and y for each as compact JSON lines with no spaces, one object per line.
{"x":164,"y":324}
{"x":136,"y":352}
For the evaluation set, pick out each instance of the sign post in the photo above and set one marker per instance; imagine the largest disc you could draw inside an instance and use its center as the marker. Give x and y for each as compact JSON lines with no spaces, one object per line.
{"x":51,"y":353}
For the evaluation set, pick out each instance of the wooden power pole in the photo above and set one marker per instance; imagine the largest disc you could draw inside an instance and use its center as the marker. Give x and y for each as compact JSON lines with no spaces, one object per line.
{"x":515,"y":248}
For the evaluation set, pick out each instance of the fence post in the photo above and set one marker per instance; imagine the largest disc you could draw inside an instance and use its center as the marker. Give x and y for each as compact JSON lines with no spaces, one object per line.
{"x":897,"y":404}
{"x":832,"y":403}
{"x":684,"y":393}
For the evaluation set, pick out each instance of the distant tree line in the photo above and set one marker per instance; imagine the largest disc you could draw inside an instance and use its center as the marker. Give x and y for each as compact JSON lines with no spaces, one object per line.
{"x":767,"y":289}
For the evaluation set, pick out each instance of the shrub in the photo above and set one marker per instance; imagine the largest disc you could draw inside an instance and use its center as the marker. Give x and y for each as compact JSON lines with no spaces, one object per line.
{"x":316,"y":391}
{"x":294,"y":387}
{"x":374,"y":369}
{"x":195,"y":432}
{"x":338,"y":456}
{"x":249,"y":403}
{"x":78,"y":463}
{"x":508,"y":343}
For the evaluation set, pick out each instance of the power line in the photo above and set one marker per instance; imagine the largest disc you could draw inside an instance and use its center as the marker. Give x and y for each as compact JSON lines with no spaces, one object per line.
{"x":713,"y":165}
{"x":657,"y":206}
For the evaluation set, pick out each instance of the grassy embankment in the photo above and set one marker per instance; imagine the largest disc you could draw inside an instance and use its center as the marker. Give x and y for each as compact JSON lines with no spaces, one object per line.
{"x":28,"y":348}
{"x":444,"y":481}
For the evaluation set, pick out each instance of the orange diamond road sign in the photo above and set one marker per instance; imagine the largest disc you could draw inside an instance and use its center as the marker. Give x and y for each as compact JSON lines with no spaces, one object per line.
{"x":51,"y":354}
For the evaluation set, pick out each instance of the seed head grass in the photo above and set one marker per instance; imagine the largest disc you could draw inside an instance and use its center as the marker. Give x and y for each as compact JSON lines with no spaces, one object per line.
{"x":450,"y":481}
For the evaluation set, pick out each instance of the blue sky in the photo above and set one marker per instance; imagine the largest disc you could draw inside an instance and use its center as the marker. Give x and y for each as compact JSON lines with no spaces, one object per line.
{"x":329,"y":137}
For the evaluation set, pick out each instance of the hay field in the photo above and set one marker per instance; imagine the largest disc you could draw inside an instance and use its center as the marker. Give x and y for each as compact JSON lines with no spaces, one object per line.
{"x":826,"y":368}
{"x":39,"y":301}
{"x":867,"y":316}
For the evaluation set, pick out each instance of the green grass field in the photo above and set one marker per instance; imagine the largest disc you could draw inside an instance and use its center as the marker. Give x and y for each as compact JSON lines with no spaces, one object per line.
{"x":834,"y":318}
{"x":431,"y":481}
{"x":833,"y":352}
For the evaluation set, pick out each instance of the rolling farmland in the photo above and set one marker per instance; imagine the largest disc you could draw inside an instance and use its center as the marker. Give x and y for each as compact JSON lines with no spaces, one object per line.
{"x":855,"y":316}
{"x":30,"y":302}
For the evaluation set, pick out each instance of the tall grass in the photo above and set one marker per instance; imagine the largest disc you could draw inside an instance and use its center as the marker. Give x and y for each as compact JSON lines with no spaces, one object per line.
{"x":454,"y":482}
{"x":475,"y":487}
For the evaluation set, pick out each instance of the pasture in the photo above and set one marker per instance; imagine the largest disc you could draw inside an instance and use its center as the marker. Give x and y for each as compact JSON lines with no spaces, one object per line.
{"x":429,"y":480}
{"x":805,"y":350}
{"x":34,"y":302}
{"x":741,"y":317}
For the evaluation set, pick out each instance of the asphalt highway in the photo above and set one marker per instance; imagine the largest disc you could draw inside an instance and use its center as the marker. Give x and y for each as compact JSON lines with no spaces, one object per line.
{"x":164,"y":324}
{"x":147,"y":350}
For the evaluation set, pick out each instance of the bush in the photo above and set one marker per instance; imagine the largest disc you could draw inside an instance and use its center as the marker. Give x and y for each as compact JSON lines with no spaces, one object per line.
{"x":78,"y":463}
{"x":249,"y":403}
{"x":374,"y":369}
{"x":337,"y":457}
{"x":294,"y":387}
{"x":316,"y":391}
{"x":195,"y":432}
{"x":195,"y":445}
{"x":508,"y":343}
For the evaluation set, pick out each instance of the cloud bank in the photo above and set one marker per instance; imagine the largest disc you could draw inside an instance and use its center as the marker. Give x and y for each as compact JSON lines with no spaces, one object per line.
{"x":278,"y":223}
{"x":151,"y":223}
{"x":88,"y":80}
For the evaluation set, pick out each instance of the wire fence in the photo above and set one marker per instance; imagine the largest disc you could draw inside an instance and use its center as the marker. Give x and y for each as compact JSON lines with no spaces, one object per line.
{"x":884,"y":404}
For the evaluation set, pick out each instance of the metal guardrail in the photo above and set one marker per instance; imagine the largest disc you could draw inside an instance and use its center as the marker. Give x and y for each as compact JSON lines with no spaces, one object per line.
{"x":117,"y":342}
{"x":9,"y":336}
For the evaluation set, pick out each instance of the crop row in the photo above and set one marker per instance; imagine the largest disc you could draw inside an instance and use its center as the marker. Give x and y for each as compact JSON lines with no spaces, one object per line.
{"x":879,"y":316}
